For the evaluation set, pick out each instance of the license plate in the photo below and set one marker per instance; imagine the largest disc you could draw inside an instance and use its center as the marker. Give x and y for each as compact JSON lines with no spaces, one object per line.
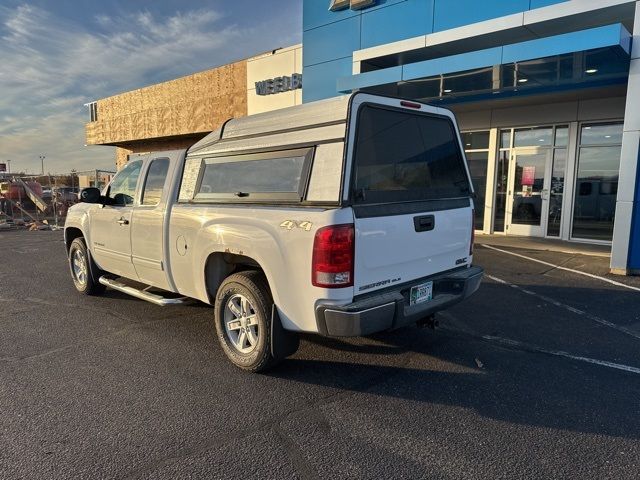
{"x":421,"y":293}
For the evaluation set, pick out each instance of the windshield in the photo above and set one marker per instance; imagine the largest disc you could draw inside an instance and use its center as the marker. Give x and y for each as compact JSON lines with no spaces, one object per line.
{"x":405,"y":156}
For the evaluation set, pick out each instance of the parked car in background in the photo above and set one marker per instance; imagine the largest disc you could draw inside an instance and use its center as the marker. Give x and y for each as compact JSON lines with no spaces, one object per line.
{"x":66,"y":194}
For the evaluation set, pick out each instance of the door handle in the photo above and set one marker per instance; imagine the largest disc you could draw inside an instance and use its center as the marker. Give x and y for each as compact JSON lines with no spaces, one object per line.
{"x":425,"y":223}
{"x":123,"y":221}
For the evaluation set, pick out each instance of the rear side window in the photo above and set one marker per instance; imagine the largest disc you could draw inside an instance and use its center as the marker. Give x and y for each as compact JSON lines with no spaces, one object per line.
{"x":154,"y":182}
{"x":266,"y":176}
{"x":403,"y":156}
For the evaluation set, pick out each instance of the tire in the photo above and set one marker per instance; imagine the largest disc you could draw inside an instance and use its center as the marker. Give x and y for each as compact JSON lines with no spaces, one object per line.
{"x":84,"y":272}
{"x":243,"y":321}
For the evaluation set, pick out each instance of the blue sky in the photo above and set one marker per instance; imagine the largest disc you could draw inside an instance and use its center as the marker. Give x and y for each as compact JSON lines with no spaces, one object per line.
{"x":57,"y":55}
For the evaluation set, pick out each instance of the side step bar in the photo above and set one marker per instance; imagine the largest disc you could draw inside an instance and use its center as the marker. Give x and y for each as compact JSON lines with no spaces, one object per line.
{"x":141,"y":294}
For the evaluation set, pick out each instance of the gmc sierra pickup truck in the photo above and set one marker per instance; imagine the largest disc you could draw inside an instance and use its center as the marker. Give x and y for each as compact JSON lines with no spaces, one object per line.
{"x":342,"y":217}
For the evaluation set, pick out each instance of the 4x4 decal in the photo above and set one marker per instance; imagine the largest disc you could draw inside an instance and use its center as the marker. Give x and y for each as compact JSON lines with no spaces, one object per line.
{"x":291,"y":224}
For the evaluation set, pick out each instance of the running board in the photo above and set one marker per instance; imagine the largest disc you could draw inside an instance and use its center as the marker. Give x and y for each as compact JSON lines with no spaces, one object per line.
{"x":141,"y":294}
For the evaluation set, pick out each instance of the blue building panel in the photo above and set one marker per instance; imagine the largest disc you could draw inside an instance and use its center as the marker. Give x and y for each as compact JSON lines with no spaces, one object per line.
{"x":456,"y":13}
{"x":377,"y":77}
{"x":400,"y":21}
{"x":320,"y":80}
{"x":316,"y":13}
{"x":568,"y":42}
{"x":615,"y":36}
{"x":454,"y":63}
{"x":331,"y":42}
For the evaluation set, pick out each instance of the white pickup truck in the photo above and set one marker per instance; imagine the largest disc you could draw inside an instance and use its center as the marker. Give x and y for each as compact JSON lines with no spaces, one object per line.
{"x":343,"y":217}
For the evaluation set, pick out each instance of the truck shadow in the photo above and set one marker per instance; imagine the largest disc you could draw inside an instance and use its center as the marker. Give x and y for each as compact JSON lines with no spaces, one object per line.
{"x":512,"y":386}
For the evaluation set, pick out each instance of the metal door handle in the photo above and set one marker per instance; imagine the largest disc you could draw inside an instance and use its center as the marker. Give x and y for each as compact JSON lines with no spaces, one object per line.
{"x":123,"y":221}
{"x":425,"y":223}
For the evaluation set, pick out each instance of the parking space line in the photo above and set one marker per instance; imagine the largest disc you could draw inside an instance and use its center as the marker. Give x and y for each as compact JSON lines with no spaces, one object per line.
{"x":559,"y":353}
{"x":569,"y":308}
{"x":558,"y":267}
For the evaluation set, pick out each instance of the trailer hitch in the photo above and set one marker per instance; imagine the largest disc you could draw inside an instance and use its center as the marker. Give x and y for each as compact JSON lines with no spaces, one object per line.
{"x":428,"y":322}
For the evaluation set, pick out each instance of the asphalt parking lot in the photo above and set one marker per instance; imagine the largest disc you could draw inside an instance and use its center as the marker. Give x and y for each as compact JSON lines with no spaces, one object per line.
{"x":537,"y":376}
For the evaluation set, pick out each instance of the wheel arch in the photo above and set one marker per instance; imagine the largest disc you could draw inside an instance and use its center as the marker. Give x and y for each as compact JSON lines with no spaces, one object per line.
{"x":70,"y":234}
{"x":220,"y":265}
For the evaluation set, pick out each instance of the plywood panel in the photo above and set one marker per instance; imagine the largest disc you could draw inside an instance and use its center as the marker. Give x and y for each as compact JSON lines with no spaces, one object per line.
{"x":196,"y":103}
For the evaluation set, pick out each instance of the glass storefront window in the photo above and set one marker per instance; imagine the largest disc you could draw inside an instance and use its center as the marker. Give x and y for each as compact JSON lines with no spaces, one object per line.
{"x":597,"y":182}
{"x":533,"y":137}
{"x":476,"y":140}
{"x":562,"y":136}
{"x":502,"y":177}
{"x":610,"y":134}
{"x":556,"y":193}
{"x":476,"y":145}
{"x":478,"y":169}
{"x":542,"y":74}
{"x":472,"y":81}
{"x":505,"y":138}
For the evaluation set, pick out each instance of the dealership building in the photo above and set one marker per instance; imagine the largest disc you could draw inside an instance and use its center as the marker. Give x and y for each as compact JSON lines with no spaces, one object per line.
{"x":543,"y":90}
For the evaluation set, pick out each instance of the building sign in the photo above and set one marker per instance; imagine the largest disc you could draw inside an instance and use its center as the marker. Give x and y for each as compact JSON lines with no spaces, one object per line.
{"x":279,"y":84}
{"x":336,"y":5}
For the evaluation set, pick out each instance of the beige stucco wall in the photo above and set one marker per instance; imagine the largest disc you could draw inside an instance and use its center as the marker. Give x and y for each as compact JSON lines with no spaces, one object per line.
{"x":281,"y":62}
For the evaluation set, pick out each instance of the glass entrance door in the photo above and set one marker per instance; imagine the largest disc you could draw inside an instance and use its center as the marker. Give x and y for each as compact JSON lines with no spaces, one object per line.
{"x":528,"y":194}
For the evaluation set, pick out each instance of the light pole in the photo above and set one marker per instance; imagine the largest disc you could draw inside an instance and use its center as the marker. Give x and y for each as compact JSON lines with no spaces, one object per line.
{"x":73,"y":174}
{"x":8,"y":166}
{"x":42,"y":157}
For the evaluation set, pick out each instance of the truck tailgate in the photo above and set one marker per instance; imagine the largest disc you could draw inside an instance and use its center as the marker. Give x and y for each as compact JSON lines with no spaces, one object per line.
{"x":401,"y":248}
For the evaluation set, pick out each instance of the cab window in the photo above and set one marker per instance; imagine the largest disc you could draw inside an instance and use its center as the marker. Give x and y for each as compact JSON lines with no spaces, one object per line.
{"x":123,"y":186}
{"x":154,"y":183}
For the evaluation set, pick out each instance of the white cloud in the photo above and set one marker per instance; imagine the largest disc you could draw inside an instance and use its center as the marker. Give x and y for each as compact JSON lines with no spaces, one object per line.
{"x":50,"y":67}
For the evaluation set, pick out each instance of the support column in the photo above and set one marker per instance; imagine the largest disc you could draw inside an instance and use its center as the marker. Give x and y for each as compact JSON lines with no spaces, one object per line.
{"x":625,"y":251}
{"x":491,"y":181}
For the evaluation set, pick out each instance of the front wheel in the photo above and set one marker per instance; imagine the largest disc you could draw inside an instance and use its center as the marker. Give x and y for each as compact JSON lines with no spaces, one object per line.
{"x":243,"y":321}
{"x":83,"y":269}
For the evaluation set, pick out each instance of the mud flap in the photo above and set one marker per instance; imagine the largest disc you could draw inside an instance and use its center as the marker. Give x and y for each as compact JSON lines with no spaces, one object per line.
{"x":283,"y":342}
{"x":94,"y":271}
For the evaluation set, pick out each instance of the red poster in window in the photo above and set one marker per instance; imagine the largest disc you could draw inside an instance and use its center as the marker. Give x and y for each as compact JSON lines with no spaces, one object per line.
{"x":528,"y":175}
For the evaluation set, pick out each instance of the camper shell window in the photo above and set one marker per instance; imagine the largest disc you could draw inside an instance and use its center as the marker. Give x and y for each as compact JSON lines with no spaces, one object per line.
{"x":405,"y":156}
{"x":262,"y":177}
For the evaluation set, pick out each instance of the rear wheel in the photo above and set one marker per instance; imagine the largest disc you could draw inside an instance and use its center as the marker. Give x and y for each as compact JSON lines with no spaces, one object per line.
{"x":243,"y":321}
{"x":83,"y":271}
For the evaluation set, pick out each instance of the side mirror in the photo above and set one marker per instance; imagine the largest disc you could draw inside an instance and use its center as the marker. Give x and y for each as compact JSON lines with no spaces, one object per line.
{"x":89,"y":195}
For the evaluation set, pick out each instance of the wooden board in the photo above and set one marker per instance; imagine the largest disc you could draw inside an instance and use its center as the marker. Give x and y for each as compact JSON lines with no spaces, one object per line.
{"x":197,"y":103}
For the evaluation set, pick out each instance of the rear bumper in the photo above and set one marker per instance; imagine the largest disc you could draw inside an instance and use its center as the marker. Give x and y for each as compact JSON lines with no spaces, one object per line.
{"x":391,"y":309}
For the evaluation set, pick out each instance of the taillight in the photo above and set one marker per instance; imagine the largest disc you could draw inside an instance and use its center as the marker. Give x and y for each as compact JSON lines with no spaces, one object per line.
{"x":333,"y":252}
{"x":473,"y":231}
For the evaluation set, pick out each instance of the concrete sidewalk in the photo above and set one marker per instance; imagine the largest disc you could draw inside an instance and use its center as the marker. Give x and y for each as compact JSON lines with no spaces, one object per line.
{"x":545,"y":245}
{"x":580,"y":257}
